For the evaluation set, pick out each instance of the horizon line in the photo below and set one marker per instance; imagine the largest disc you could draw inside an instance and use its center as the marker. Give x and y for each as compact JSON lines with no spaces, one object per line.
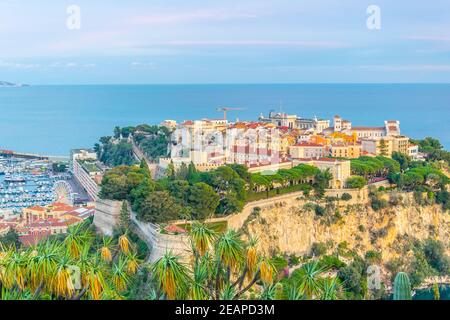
{"x":24,"y":85}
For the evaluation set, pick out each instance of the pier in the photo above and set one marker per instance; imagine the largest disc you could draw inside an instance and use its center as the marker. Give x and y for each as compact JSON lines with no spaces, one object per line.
{"x":25,"y":155}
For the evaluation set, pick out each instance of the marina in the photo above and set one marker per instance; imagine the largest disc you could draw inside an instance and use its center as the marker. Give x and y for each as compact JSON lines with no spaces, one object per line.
{"x":25,"y":183}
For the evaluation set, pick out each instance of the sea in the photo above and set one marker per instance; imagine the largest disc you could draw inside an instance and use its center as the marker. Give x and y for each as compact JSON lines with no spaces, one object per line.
{"x":52,"y":120}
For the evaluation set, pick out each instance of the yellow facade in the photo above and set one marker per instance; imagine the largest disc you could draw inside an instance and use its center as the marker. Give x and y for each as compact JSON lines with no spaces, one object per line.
{"x":345,"y":151}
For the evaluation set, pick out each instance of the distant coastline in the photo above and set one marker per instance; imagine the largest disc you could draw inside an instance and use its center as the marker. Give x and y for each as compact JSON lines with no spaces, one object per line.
{"x":13,"y":85}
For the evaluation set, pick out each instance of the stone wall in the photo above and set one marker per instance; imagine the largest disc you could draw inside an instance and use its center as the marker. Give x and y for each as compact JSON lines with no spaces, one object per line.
{"x":106,"y":215}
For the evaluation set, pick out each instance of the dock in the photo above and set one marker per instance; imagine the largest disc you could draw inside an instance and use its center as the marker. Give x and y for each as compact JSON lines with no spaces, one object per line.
{"x":25,"y":155}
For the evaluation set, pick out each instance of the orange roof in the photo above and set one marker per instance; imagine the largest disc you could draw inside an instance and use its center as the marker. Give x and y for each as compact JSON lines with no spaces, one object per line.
{"x":368,"y":128}
{"x":33,"y":239}
{"x":37,"y":208}
{"x":174,"y":229}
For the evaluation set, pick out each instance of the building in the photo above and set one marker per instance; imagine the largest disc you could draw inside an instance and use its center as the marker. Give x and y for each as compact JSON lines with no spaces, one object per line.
{"x":38,"y":222}
{"x":86,"y":171}
{"x":291,"y":121}
{"x":392,"y":127}
{"x":307,"y":150}
{"x":170,"y":124}
{"x":413,"y":151}
{"x":400,"y":144}
{"x":368,"y":132}
{"x":378,"y":147}
{"x":256,"y":143}
{"x":196,"y":141}
{"x":340,"y":124}
{"x":339,"y":169}
{"x":281,"y":119}
{"x":321,"y":125}
{"x":385,"y":146}
{"x":343,"y":150}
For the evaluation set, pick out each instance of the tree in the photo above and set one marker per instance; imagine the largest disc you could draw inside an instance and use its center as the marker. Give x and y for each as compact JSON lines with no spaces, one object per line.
{"x":183,"y":172}
{"x":402,"y":159}
{"x":383,"y":148}
{"x":117,"y":132}
{"x":192,"y":172}
{"x":44,"y":271}
{"x":229,"y":204}
{"x":220,"y":266}
{"x":11,"y":238}
{"x":144,"y":166}
{"x":436,"y":256}
{"x":322,"y":181}
{"x":170,"y":171}
{"x":356,"y":182}
{"x":124,"y":218}
{"x":179,"y":189}
{"x":158,"y":207}
{"x":203,"y":200}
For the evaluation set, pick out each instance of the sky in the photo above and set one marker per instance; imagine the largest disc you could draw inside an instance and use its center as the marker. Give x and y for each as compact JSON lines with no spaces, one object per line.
{"x":247,"y":41}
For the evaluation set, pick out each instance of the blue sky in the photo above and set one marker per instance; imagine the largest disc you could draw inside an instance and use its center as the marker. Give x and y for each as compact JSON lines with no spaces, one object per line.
{"x":247,"y":41}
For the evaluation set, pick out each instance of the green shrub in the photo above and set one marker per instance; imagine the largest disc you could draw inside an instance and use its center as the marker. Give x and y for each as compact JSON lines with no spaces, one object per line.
{"x":377,"y":203}
{"x":346,"y":196}
{"x":318,"y":249}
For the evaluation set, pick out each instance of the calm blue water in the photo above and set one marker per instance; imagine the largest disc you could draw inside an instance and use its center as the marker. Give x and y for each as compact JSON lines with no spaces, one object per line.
{"x":54,"y":119}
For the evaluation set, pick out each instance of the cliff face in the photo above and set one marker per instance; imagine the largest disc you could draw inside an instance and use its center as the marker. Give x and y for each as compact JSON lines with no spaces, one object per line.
{"x":288,"y":227}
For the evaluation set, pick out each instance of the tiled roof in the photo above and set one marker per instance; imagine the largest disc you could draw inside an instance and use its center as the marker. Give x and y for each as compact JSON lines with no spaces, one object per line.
{"x":37,"y":208}
{"x":174,"y":229}
{"x":368,"y":128}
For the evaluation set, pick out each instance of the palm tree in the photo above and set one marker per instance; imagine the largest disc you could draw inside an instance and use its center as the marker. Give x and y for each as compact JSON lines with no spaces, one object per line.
{"x":124,"y":244}
{"x":75,"y":238}
{"x":105,"y":250}
{"x":120,"y":276}
{"x":201,"y":237}
{"x":45,"y":271}
{"x":219,"y":273}
{"x":171,"y":275}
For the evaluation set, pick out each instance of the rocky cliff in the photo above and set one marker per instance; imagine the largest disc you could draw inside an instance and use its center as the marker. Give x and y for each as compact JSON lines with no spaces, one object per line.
{"x":291,"y":227}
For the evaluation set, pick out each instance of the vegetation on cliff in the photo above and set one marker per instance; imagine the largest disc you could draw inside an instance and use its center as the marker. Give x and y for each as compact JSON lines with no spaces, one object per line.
{"x":114,"y":152}
{"x":190,"y":194}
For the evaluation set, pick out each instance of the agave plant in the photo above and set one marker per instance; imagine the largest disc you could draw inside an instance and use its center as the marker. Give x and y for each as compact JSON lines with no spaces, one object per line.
{"x":309,"y":279}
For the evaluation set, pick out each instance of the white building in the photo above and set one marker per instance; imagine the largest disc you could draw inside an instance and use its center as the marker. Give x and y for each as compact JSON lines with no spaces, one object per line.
{"x":86,"y":171}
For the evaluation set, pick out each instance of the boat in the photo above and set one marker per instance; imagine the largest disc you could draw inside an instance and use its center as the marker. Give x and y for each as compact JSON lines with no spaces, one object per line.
{"x":14,"y":178}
